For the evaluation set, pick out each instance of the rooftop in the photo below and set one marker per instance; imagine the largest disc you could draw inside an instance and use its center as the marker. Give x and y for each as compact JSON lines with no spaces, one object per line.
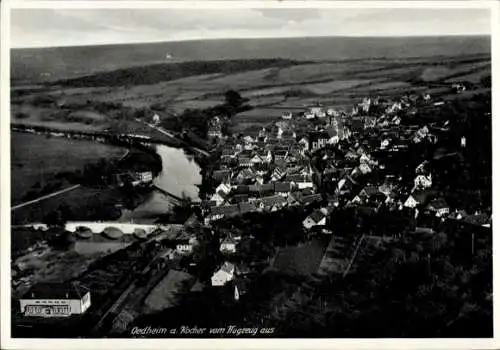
{"x":72,"y":290}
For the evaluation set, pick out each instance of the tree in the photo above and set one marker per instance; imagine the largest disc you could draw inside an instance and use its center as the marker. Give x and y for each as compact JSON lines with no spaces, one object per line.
{"x":233,"y":99}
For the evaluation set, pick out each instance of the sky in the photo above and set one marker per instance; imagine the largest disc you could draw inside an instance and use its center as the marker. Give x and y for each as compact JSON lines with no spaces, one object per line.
{"x":70,"y":27}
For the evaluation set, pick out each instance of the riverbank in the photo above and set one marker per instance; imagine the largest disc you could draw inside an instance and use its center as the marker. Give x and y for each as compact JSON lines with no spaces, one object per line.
{"x":181,"y":175}
{"x":44,"y":165}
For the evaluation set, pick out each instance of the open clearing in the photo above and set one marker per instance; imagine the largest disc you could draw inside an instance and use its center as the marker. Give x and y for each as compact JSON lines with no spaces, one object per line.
{"x":303,"y":259}
{"x":166,"y":293}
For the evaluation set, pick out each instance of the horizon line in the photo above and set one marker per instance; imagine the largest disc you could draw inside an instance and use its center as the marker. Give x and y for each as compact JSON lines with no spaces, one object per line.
{"x":249,"y":38}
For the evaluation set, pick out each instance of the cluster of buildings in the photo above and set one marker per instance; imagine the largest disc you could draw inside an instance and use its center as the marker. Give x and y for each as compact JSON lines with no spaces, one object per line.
{"x":330,"y":158}
{"x":269,"y":169}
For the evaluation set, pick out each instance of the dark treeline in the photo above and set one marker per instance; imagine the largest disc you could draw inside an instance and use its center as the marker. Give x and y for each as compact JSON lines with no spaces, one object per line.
{"x":193,"y":123}
{"x":157,"y":73}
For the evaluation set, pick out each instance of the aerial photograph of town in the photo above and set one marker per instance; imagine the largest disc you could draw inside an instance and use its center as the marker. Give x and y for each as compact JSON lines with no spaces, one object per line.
{"x":251,"y":173}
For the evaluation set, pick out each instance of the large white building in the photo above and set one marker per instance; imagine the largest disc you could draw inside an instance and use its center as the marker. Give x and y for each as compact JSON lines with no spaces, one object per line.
{"x":55,"y":300}
{"x":223,"y":275}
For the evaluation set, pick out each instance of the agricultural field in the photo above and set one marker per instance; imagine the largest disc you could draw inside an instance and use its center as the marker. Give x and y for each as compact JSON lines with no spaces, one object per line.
{"x":272,"y":86}
{"x":61,"y":119}
{"x":36,"y":159}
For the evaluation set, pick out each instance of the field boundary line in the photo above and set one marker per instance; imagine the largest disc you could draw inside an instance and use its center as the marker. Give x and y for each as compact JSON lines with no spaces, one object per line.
{"x":50,"y":195}
{"x":353,"y":256}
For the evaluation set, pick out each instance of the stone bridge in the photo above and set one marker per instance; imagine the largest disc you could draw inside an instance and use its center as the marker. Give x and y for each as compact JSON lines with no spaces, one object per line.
{"x":98,"y":227}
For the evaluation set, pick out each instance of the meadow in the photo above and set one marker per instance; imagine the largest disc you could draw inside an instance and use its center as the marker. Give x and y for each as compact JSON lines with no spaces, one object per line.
{"x":36,"y":159}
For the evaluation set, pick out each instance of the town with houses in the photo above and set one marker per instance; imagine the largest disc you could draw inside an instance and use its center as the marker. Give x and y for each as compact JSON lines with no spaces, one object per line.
{"x":314,"y":163}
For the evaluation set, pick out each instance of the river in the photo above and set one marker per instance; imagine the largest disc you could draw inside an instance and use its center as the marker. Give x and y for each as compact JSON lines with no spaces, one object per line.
{"x":180,"y":176}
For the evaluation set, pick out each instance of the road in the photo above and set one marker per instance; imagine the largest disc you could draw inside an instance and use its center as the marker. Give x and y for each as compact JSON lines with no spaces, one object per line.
{"x":45,"y":197}
{"x":169,"y":134}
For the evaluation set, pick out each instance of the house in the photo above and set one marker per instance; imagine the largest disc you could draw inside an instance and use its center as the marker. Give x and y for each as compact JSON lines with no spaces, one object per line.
{"x":317,"y":112}
{"x":267,"y":189}
{"x":282,"y":188}
{"x":369,"y":191}
{"x":259,"y":179}
{"x":288,"y":135}
{"x":256,"y":159}
{"x":422,"y":168}
{"x":396,"y":106}
{"x":478,"y":219}
{"x":332,"y":112}
{"x":217,"y":213}
{"x":300,"y":181}
{"x":55,"y":300}
{"x":140,"y":178}
{"x":304,"y":145}
{"x":458,"y":215}
{"x":206,"y":206}
{"x":415,"y":199}
{"x":387,"y":188}
{"x":278,"y":173}
{"x":318,"y":139}
{"x":248,"y":139}
{"x":266,"y":157}
{"x":219,"y":197}
{"x":185,"y":243}
{"x":420,"y":134}
{"x":458,"y":87}
{"x":224,"y":187}
{"x":396,"y":120}
{"x":292,"y":200}
{"x":364,"y":158}
{"x":317,"y":218}
{"x":215,"y":128}
{"x":271,"y":203}
{"x":280,"y":155}
{"x":245,"y":207}
{"x":333,"y":200}
{"x":224,"y":275}
{"x":287,"y":115}
{"x":245,"y":162}
{"x":439,"y":207}
{"x":365,"y":104}
{"x":244,"y":176}
{"x":333,"y":136}
{"x":384,"y":143}
{"x":222,"y":176}
{"x":156,"y":119}
{"x":309,"y":199}
{"x":330,"y":173}
{"x":239,"y":198}
{"x":364,"y":168}
{"x":370,"y":122}
{"x":191,"y":221}
{"x":308,"y":115}
{"x":228,"y":245}
{"x":422,"y":182}
{"x":346,"y":184}
{"x":351,"y":155}
{"x":229,"y":152}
